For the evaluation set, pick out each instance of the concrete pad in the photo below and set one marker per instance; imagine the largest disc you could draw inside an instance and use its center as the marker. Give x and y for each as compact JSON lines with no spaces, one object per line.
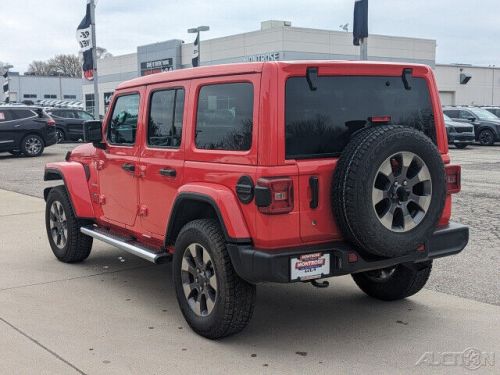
{"x":124,"y":319}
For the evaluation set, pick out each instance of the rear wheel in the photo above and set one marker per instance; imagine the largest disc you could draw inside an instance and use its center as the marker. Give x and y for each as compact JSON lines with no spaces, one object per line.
{"x":486,"y":137}
{"x":214,"y":300}
{"x":60,"y":136}
{"x":68,"y":244}
{"x":394,"y":283}
{"x":32,"y":145}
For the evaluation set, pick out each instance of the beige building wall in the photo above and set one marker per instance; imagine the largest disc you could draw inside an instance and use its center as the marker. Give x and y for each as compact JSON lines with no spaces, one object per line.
{"x":482,"y":89}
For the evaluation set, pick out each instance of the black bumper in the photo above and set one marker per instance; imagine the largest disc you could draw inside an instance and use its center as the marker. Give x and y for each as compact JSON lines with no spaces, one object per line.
{"x":257,"y":266}
{"x":465,"y":138}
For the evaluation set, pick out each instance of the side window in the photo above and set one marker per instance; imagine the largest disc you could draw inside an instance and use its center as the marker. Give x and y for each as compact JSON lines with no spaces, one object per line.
{"x":466,"y":115}
{"x":165,"y":118}
{"x":451,"y":113}
{"x":123,"y":124}
{"x":21,"y":114}
{"x":225,"y":117}
{"x":4,"y":116}
{"x":84,"y":115}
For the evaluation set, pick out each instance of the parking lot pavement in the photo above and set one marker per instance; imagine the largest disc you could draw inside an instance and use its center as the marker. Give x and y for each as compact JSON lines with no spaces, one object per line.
{"x":472,"y":274}
{"x":112,"y":315}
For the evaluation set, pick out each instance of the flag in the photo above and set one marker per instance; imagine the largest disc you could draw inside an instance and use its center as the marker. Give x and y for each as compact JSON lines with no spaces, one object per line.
{"x":84,"y":38}
{"x":196,"y":51}
{"x":360,"y":27}
{"x":6,"y":74}
{"x":6,"y":88}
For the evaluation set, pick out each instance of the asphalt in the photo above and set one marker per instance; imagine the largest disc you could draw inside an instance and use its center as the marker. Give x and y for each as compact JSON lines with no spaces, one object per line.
{"x":117,"y":314}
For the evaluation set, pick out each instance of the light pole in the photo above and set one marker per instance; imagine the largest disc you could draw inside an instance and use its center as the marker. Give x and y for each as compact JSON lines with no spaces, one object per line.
{"x":492,"y":84}
{"x":196,"y":47}
{"x":5,"y":73}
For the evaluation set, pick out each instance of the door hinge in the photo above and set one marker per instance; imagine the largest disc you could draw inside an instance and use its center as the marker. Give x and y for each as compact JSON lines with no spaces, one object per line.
{"x":143,"y":210}
{"x":98,"y":198}
{"x":99,"y":164}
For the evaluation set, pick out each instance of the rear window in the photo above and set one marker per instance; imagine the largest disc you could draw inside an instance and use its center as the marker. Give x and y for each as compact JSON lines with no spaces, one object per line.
{"x":321,"y":122}
{"x":20,"y":114}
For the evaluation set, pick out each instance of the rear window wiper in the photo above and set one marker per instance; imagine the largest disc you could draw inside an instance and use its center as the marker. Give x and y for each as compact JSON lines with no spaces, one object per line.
{"x":406,"y":77}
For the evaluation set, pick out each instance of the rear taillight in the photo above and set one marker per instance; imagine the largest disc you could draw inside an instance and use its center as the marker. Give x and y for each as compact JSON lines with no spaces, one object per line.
{"x":380,"y":119}
{"x":274,"y":195}
{"x":51,"y":122}
{"x":453,"y":178}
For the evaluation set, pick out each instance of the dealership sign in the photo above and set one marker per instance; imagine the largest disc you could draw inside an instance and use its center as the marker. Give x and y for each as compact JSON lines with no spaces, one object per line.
{"x":269,"y":56}
{"x":157,"y":66}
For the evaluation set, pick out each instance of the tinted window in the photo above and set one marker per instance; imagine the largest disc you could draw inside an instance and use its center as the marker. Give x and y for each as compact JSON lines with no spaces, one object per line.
{"x":5,"y":116}
{"x":321,"y":122}
{"x":85,"y":115}
{"x":123,"y":125}
{"x":466,"y":115}
{"x":453,"y":113}
{"x":20,"y":114}
{"x":224,"y":119}
{"x":165,"y":118}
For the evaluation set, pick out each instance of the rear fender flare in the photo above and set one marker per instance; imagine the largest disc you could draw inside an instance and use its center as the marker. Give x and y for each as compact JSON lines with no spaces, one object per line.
{"x":75,"y":179}
{"x":224,"y":203}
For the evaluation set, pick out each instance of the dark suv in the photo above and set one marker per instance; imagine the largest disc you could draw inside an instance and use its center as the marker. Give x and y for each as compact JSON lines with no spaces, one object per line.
{"x":26,"y":130}
{"x":486,"y":124}
{"x":69,"y":123}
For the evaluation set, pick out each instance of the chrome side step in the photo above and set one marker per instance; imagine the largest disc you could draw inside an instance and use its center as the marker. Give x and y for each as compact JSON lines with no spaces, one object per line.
{"x":126,"y":244}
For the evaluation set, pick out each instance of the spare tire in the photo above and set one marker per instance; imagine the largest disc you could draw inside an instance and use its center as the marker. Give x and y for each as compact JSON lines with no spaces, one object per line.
{"x":388,"y":190}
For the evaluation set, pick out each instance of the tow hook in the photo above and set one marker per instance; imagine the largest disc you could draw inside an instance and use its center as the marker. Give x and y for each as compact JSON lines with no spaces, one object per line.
{"x":323,"y":284}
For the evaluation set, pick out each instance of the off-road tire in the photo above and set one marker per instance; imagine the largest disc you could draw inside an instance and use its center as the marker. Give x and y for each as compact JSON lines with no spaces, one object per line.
{"x":78,"y":245}
{"x":406,"y":280}
{"x":353,"y":182}
{"x":486,"y":137}
{"x":235,"y":298}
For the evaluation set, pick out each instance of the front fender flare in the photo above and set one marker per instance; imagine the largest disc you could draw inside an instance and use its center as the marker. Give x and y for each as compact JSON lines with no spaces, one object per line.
{"x":75,"y":179}
{"x":224,"y":203}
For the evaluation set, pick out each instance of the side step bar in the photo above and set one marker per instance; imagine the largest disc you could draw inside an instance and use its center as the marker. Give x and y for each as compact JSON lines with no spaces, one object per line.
{"x":126,"y":244}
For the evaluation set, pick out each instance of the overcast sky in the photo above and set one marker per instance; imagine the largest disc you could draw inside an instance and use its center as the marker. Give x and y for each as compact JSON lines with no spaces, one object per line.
{"x":466,"y":31}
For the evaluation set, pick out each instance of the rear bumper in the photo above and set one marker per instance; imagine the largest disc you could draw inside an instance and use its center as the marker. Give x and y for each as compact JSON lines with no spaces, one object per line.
{"x":466,"y":138}
{"x":257,"y":266}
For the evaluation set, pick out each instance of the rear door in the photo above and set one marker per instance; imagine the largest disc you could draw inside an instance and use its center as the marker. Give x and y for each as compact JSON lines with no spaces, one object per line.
{"x":7,"y":130}
{"x":117,"y":164}
{"x":320,"y":122}
{"x":162,"y":157}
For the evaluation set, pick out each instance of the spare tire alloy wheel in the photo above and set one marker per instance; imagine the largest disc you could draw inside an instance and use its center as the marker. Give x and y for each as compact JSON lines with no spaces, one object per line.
{"x":402,"y":191}
{"x":388,"y":190}
{"x":199,"y":280}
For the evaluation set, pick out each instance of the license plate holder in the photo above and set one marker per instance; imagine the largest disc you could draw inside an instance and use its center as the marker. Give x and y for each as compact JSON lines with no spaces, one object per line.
{"x":309,"y":266}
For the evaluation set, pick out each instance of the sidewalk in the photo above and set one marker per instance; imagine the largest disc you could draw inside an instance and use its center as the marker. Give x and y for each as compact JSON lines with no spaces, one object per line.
{"x":109,"y":316}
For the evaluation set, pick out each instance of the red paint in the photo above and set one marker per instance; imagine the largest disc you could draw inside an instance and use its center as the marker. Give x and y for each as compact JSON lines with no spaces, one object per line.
{"x":140,"y":203}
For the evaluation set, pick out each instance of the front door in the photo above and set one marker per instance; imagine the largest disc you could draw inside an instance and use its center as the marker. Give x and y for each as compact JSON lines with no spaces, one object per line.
{"x":7,"y":131}
{"x":162,"y":159}
{"x":117,"y":164}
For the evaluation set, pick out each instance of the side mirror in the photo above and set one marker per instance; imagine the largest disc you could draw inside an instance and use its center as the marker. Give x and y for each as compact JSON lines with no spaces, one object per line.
{"x":92,"y":132}
{"x":472,"y":119}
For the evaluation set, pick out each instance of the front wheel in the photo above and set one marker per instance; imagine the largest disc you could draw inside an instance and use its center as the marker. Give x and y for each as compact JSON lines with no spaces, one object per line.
{"x":394,"y":283}
{"x":60,"y":136}
{"x":68,"y":244}
{"x":214,"y":300}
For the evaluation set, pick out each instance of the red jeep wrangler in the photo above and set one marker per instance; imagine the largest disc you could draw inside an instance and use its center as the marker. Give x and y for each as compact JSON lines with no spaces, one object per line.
{"x":265,"y":172}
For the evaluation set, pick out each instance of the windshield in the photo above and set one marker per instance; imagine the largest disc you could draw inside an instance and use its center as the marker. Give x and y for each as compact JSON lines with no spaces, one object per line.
{"x":320,"y":122}
{"x":447,"y":119}
{"x":483,"y":114}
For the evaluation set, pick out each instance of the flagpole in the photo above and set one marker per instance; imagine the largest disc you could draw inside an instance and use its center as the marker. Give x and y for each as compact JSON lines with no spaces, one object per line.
{"x":363,"y":49}
{"x":94,"y":58}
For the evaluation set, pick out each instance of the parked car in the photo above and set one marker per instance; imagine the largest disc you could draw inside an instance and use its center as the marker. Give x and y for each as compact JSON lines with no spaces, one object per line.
{"x":494,"y":110}
{"x":69,"y":123}
{"x":25,"y":130}
{"x":486,"y":124}
{"x":459,"y":134}
{"x":265,"y":172}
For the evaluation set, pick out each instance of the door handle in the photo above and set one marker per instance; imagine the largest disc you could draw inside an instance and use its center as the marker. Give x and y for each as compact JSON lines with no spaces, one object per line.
{"x":168,"y":172}
{"x":314,"y":185}
{"x":128,"y":167}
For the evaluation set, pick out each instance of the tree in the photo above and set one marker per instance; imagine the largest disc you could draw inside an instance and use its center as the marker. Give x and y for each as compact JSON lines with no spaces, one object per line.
{"x":101,"y":53}
{"x":63,"y":65}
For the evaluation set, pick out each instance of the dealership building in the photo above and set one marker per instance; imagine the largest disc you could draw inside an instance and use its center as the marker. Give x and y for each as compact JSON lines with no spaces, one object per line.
{"x":34,"y":88}
{"x":279,"y":40}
